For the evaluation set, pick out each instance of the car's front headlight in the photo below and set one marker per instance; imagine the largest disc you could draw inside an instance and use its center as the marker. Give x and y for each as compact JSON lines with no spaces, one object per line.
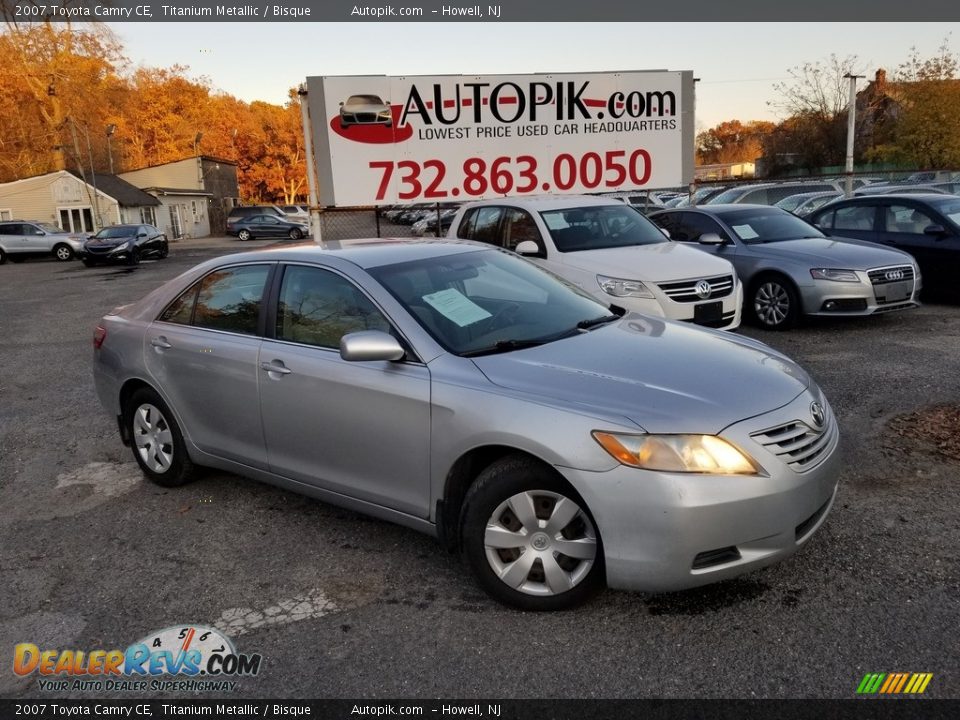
{"x":123,"y":246}
{"x":618,"y":287}
{"x":707,"y":454}
{"x":834,"y":274}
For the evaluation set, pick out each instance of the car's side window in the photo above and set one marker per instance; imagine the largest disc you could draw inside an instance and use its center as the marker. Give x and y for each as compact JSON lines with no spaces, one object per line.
{"x":486,"y":224}
{"x":824,"y":220}
{"x":465,"y":230}
{"x":517,"y":227}
{"x":230,"y":299}
{"x":690,"y":226}
{"x":854,"y":217}
{"x":318,"y":307}
{"x":905,"y":219}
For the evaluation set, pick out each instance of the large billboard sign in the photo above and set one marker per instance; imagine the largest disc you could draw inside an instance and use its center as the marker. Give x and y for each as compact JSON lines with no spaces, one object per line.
{"x":380,"y":140}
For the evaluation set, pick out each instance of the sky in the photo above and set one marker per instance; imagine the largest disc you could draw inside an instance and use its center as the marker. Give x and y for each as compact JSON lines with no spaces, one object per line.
{"x":737,"y":63}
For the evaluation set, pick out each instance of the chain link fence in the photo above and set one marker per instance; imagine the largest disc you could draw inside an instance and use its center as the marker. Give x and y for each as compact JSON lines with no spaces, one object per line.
{"x":365,"y":222}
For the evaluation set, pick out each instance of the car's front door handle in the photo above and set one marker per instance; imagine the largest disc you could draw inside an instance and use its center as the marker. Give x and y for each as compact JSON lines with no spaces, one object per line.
{"x":161,"y":342}
{"x":275,"y":368}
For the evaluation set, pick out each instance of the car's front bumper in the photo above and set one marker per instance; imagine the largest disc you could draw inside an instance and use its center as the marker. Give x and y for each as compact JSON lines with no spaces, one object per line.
{"x":105,"y":255}
{"x":671,"y":531}
{"x":662,"y":305}
{"x":826,"y":297}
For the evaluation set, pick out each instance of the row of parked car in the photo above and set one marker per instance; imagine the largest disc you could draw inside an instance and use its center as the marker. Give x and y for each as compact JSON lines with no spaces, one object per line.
{"x":712,"y":263}
{"x":20,"y":239}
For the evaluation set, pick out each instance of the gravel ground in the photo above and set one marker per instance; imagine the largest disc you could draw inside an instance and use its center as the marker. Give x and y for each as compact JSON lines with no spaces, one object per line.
{"x":339,"y":605}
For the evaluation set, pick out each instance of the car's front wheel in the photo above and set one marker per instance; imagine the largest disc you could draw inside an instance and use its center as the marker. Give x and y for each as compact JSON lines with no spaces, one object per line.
{"x":295,"y":234}
{"x":157,"y":442}
{"x":134,"y":257}
{"x":774,"y":303}
{"x":164,"y":250}
{"x":63,"y":252}
{"x":529,"y":538}
{"x":244,"y":235}
{"x":3,"y":256}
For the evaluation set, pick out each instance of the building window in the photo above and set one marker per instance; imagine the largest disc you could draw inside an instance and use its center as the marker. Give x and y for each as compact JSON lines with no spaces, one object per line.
{"x":148,"y":216}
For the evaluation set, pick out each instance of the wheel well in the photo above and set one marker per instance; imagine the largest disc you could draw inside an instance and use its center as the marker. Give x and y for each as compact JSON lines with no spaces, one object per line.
{"x":126,"y":392}
{"x":61,"y":244}
{"x":461,"y":476}
{"x":773,"y":274}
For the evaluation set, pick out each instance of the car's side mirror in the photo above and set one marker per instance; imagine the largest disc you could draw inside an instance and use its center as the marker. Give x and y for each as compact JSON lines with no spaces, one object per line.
{"x":341,"y":104}
{"x":935,"y":230}
{"x":39,"y":232}
{"x":139,"y":235}
{"x":710,"y":239}
{"x":527,"y":247}
{"x":369,"y":345}
{"x":665,"y":232}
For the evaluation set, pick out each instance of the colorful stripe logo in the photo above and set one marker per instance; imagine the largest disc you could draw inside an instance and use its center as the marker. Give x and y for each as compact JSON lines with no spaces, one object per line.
{"x":894,"y":683}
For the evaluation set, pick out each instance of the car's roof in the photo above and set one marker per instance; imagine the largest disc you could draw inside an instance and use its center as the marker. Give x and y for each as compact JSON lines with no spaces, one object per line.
{"x":542,"y":203}
{"x":874,"y":197}
{"x":722,"y":209}
{"x":363,"y":252}
{"x":813,"y":194}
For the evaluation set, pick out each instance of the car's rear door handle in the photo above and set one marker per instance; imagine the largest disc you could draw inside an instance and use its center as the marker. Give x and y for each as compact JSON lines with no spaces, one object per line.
{"x":161,"y":342}
{"x":274,"y":367}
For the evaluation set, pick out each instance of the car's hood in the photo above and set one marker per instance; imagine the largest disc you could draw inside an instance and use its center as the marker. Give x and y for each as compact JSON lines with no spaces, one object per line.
{"x":110,"y":242}
{"x":659,"y":262}
{"x":368,"y":108}
{"x":667,"y":377}
{"x":845,"y":253}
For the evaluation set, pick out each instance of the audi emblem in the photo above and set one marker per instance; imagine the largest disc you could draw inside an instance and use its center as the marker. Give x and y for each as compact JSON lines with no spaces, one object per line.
{"x":817,"y":415}
{"x":893,"y":275}
{"x":703,"y":289}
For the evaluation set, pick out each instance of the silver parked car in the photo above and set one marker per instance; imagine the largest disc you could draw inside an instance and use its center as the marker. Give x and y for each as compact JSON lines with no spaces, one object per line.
{"x":20,"y":239}
{"x":790,"y":269}
{"x":459,"y":390}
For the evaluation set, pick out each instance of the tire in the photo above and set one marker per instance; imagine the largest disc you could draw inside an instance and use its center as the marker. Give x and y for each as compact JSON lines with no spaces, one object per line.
{"x":63,"y":252}
{"x":89,"y":263}
{"x":295,"y":234}
{"x":244,"y":235}
{"x":156,"y":440}
{"x":164,"y":251}
{"x":773,"y":303}
{"x":3,"y":257}
{"x":134,"y":257}
{"x":528,"y":570}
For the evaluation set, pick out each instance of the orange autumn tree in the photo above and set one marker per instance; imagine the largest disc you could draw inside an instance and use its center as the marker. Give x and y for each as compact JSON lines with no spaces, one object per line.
{"x":58,"y":82}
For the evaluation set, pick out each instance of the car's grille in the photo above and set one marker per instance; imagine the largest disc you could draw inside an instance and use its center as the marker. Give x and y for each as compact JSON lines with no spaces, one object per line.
{"x":799,"y":445}
{"x":721,"y":323}
{"x":882,"y":276}
{"x":685,"y":291}
{"x":366,"y":117}
{"x":94,"y":250}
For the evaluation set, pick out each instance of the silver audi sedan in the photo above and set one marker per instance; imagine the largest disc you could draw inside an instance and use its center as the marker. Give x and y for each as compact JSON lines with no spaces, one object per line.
{"x":459,"y":390}
{"x":790,"y":269}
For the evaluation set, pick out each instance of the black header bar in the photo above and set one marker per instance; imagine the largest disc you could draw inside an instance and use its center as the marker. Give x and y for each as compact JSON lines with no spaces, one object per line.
{"x":26,"y":11}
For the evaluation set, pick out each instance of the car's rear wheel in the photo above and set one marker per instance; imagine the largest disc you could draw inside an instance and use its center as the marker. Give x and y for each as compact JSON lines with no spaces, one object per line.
{"x":3,"y":257}
{"x":157,"y":442}
{"x":295,"y":234}
{"x":164,"y":250}
{"x":62,"y":252}
{"x":244,"y":235}
{"x":774,"y":303}
{"x":529,"y":538}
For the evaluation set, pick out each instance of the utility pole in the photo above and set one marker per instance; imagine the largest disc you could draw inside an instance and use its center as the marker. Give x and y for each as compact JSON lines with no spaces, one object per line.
{"x":97,"y":220}
{"x":851,"y":131}
{"x":111,"y":128}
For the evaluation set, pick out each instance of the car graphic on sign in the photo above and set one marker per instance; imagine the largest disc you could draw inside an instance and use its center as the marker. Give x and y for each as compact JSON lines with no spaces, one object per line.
{"x":365,"y":110}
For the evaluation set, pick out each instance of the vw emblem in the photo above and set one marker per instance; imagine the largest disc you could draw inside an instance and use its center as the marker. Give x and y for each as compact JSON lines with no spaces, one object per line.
{"x":894,"y":275}
{"x":817,"y":415}
{"x":703,"y":289}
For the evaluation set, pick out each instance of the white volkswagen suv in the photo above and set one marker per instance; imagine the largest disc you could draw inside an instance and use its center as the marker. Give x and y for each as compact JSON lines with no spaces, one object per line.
{"x":611,"y":251}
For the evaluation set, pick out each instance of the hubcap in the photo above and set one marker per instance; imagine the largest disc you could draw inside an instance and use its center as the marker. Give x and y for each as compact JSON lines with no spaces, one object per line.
{"x":540,"y":543}
{"x":63,"y":254}
{"x":771,"y":303}
{"x":153,"y":438}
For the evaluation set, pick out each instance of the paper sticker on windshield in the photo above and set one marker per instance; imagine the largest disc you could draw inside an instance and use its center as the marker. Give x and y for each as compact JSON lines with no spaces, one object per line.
{"x":456,"y":306}
{"x":745,"y":232}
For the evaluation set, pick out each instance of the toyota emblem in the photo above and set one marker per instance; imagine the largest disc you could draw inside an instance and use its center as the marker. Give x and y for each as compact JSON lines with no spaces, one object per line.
{"x":817,"y":415}
{"x":893,"y":275}
{"x":703,"y":289}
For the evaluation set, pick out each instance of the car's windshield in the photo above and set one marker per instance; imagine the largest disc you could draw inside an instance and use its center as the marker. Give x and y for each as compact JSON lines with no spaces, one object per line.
{"x":950,"y":208}
{"x":763,"y":225}
{"x":488,"y":301}
{"x":364,"y":100}
{"x":48,"y":227}
{"x":119,"y":231}
{"x":600,"y":226}
{"x":791,"y":203}
{"x":728,"y":196}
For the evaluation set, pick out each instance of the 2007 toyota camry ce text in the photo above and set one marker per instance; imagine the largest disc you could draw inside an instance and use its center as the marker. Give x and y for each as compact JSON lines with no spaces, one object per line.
{"x":558,"y":443}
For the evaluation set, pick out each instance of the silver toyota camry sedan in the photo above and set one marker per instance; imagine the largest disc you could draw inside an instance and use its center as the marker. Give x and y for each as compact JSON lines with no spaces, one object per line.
{"x":458,"y":389}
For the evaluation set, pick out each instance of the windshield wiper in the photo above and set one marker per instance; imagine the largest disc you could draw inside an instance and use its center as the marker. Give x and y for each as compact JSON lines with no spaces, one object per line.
{"x":593,"y":322}
{"x":504,"y":346}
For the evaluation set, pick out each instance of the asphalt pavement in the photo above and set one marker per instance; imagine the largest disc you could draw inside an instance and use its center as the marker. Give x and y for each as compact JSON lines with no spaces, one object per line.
{"x":339,"y":605}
